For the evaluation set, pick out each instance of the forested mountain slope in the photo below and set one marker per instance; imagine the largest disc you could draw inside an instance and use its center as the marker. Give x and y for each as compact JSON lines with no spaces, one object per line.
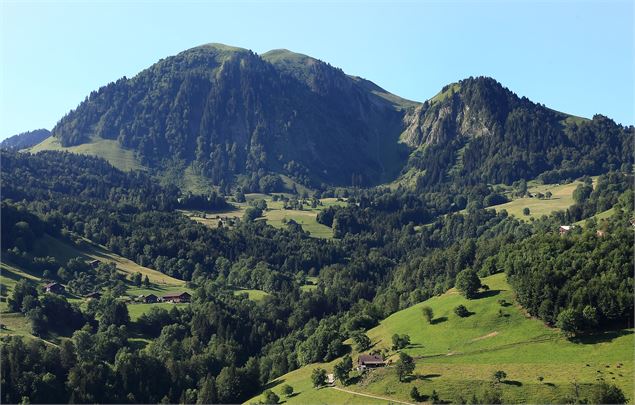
{"x":477,"y":131}
{"x":234,"y":118}
{"x":227,"y":111}
{"x":25,"y":139}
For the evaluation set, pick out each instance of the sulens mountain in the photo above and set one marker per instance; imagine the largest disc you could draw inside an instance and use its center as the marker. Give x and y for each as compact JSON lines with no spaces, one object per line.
{"x":230,"y":115}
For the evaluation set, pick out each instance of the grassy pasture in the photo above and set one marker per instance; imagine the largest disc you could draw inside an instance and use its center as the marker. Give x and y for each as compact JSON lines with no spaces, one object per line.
{"x":561,"y":199}
{"x":457,"y":356}
{"x":275,"y":215}
{"x":254,"y":295}
{"x":109,"y":149}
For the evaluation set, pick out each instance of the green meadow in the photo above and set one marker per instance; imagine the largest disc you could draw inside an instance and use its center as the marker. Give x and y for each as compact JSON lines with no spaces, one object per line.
{"x":457,"y":356}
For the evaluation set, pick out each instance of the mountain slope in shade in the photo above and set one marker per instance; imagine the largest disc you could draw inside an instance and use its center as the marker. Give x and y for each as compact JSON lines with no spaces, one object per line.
{"x":229,"y":113}
{"x":25,"y":139}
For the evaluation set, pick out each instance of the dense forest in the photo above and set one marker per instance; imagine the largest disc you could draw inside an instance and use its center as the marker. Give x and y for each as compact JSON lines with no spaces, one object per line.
{"x":392,"y":249}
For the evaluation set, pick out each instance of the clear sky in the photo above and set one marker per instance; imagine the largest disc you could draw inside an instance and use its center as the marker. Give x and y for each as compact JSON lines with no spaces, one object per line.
{"x":573,"y":56}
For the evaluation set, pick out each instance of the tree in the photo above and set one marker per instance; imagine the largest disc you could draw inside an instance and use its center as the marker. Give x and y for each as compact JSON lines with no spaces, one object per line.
{"x":228,"y":385}
{"x":362,"y":341}
{"x":136,"y":279}
{"x":342,"y":369}
{"x":499,"y":375}
{"x":207,"y":391}
{"x":468,"y":283}
{"x":590,"y":316}
{"x":404,"y":366}
{"x":23,"y":288}
{"x":146,"y":281}
{"x":428,"y":314}
{"x":113,"y":311}
{"x":271,"y":397}
{"x":548,"y":194}
{"x":582,"y":193}
{"x":606,"y":393}
{"x":287,"y":390}
{"x":461,"y":311}
{"x":415,"y":395}
{"x":434,"y":397}
{"x":569,"y":322}
{"x":400,"y":341}
{"x":318,"y":377}
{"x":526,"y":211}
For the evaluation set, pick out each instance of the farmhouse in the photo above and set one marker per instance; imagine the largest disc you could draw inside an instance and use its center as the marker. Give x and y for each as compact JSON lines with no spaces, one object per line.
{"x":150,"y":299}
{"x":94,"y":295}
{"x":94,"y":263}
{"x":330,"y":380}
{"x":365,"y":361}
{"x":55,"y":288}
{"x":177,"y":297}
{"x":564,"y":229}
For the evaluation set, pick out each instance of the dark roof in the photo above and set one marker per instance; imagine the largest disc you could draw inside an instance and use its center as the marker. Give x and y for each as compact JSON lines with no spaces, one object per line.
{"x":93,"y":294}
{"x":151,"y":295}
{"x":176,"y":295}
{"x":49,"y":285}
{"x":370,"y":359}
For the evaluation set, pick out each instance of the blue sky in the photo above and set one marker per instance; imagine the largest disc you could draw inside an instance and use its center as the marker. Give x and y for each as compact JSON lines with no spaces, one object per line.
{"x":573,"y":56}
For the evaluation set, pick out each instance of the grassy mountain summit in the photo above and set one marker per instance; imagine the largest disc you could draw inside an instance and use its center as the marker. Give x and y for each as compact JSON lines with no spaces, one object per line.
{"x":230,"y":117}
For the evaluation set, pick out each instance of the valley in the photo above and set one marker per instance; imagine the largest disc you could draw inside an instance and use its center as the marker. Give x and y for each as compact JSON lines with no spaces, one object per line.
{"x":227,"y":226}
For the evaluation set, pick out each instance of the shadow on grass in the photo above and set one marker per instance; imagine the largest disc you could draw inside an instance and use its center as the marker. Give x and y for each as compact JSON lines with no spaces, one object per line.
{"x":439,"y":320}
{"x":487,"y":294}
{"x":428,"y":376}
{"x":512,"y":382}
{"x":273,"y":384}
{"x":603,"y":337}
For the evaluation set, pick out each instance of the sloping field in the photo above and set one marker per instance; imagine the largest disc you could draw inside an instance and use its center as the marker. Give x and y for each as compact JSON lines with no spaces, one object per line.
{"x":109,"y":149}
{"x":458,"y":356}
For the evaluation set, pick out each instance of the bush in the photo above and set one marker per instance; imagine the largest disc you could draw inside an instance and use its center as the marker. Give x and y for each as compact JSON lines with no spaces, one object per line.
{"x":428,"y":314}
{"x":462,"y":311}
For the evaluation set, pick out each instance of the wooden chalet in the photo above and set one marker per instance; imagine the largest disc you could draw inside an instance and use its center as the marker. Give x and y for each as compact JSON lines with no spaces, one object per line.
{"x":150,"y":299}
{"x":55,"y":288}
{"x":365,"y":361}
{"x":93,"y":296}
{"x":177,"y":297}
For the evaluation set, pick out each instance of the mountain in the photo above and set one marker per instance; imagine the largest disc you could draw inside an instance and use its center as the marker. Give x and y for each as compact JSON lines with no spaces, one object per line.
{"x":230,"y":114}
{"x":25,"y":139}
{"x":477,"y":131}
{"x":229,"y":117}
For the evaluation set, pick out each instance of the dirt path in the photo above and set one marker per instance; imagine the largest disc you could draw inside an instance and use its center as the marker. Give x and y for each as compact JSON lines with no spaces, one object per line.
{"x":372,"y":396}
{"x":489,"y":335}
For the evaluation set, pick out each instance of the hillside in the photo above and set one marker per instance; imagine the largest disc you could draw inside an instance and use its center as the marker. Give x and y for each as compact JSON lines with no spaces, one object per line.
{"x":477,"y":131}
{"x":232,"y":116}
{"x":25,"y":139}
{"x":216,"y":116}
{"x":457,"y":356}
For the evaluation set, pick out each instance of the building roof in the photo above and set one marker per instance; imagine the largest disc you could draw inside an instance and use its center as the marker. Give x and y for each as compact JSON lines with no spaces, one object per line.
{"x":151,"y":295}
{"x":177,"y":295}
{"x":370,"y":359}
{"x":49,"y":285}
